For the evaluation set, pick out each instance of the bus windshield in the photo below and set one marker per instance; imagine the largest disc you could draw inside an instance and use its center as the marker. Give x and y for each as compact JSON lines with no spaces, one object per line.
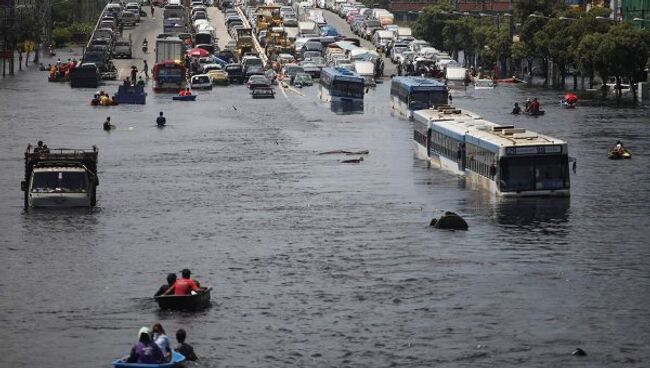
{"x":52,"y":181}
{"x":534,"y":173}
{"x":347,"y":89}
{"x":421,"y":100}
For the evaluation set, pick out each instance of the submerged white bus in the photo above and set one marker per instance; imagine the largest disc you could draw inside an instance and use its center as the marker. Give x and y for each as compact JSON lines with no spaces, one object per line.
{"x":503,"y":159}
{"x":343,"y":89}
{"x":408,"y":94}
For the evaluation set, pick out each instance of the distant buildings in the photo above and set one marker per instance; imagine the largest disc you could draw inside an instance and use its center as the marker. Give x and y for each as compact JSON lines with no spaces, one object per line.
{"x":408,"y":9}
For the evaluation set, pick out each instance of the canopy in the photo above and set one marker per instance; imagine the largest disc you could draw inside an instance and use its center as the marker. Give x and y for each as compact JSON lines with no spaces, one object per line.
{"x":197,"y":52}
{"x":570,"y":98}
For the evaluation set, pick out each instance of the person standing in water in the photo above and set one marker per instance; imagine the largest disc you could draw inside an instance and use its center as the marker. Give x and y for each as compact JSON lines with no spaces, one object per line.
{"x":161,"y":121}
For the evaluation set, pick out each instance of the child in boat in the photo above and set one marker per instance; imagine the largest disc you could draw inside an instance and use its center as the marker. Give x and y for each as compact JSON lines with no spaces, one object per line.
{"x":183,"y":348}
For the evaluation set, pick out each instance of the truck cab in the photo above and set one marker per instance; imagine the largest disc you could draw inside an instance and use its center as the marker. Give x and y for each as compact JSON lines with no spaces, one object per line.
{"x":60,"y":178}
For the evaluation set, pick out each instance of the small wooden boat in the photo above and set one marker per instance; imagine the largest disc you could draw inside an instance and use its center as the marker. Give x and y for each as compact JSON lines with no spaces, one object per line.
{"x":196,"y":301}
{"x":177,"y":360}
{"x":184,"y":98}
{"x":616,"y":155}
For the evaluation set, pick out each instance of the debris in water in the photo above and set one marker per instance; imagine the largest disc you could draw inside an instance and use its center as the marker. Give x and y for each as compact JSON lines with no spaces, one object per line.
{"x":352,"y":161}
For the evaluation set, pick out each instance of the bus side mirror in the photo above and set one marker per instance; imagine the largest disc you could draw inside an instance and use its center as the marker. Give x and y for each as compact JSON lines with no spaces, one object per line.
{"x":23,"y":185}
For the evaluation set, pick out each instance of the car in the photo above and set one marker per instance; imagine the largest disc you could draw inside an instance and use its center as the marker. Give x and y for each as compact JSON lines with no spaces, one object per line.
{"x":235,"y":73}
{"x":310,"y":55}
{"x":285,"y":59}
{"x":290,"y":71}
{"x":302,"y":80}
{"x":201,"y":81}
{"x":122,"y":49}
{"x":216,"y":73}
{"x":311,"y":68}
{"x":129,"y":18}
{"x":290,"y":22}
{"x":262,"y":92}
{"x":257,"y":81}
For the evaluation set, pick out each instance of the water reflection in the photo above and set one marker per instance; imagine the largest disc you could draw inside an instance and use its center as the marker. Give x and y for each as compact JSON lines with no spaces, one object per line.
{"x":533,"y":213}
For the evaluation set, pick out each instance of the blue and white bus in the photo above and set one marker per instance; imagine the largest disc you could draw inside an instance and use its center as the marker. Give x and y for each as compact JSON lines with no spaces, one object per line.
{"x":408,"y":94}
{"x":343,"y":89}
{"x":503,"y":159}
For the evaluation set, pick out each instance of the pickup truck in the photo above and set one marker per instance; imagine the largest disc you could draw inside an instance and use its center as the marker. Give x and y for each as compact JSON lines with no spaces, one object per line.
{"x":60,"y":177}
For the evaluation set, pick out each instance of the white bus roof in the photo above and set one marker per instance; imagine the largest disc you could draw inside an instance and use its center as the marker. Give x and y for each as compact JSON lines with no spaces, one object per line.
{"x":480,"y":131}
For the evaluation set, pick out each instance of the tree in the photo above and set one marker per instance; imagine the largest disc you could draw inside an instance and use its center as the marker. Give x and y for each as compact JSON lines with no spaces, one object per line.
{"x":555,"y":41}
{"x":431,"y":22}
{"x":457,"y":35}
{"x":530,"y":49}
{"x":586,"y":55}
{"x":523,"y":8}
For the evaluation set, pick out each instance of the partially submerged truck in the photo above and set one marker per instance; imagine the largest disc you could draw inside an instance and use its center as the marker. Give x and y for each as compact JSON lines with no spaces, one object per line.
{"x":60,"y":177}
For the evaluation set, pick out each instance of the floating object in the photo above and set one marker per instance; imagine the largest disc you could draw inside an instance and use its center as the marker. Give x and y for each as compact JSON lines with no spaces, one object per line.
{"x":184,"y":98}
{"x":353,"y":161}
{"x":196,"y":301}
{"x":538,"y":113}
{"x":449,"y":221}
{"x":579,"y":352}
{"x":570,"y":98}
{"x":177,"y":359}
{"x":363,"y":152}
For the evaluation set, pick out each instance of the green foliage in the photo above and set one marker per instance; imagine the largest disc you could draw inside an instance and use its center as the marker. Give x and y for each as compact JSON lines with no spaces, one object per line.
{"x":61,"y":36}
{"x":523,"y":8}
{"x":458,"y":35}
{"x":431,"y":22}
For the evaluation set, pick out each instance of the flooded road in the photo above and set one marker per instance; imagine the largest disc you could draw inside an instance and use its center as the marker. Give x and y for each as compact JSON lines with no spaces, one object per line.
{"x":314,"y":262}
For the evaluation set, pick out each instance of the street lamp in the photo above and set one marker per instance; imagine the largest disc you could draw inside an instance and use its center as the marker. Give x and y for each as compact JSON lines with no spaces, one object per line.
{"x":566,"y":18}
{"x":538,"y":16}
{"x":604,"y":18}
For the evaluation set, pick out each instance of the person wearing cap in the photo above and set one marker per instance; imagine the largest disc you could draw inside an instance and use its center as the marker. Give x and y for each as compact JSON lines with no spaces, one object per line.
{"x":145,"y":351}
{"x":171,"y":279}
{"x":183,"y":286}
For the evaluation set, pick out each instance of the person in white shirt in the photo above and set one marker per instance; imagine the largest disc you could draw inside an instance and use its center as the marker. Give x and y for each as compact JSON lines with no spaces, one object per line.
{"x":161,"y":339}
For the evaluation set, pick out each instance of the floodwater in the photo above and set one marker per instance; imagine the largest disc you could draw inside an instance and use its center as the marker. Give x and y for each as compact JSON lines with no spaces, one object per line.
{"x":314,"y":262}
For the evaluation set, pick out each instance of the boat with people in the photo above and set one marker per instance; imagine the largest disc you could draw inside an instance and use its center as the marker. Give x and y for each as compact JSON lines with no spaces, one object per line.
{"x":195,"y":301}
{"x":177,"y":361}
{"x":502,"y":159}
{"x":615,"y":154}
{"x":484,"y":84}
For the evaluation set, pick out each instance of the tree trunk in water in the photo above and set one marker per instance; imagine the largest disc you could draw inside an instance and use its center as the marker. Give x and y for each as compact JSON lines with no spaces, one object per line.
{"x":27,"y":59}
{"x":37,"y":55}
{"x":632,"y":84}
{"x":619,"y":93}
{"x":20,"y":60}
{"x":591,"y":79}
{"x":575,"y":81}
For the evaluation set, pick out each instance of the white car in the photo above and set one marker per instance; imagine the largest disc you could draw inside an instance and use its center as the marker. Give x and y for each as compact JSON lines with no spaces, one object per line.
{"x":201,"y":81}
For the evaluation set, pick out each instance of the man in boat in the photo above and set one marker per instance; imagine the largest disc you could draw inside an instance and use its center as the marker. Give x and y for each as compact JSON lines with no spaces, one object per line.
{"x":161,"y":121}
{"x":134,"y":73}
{"x":140,"y":82}
{"x":187,"y":92}
{"x":186,"y":349}
{"x":527,"y":105}
{"x":145,"y":351}
{"x":619,"y":147}
{"x":516,"y":110}
{"x":534,"y":106}
{"x":183,"y":286}
{"x":171,"y":279}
